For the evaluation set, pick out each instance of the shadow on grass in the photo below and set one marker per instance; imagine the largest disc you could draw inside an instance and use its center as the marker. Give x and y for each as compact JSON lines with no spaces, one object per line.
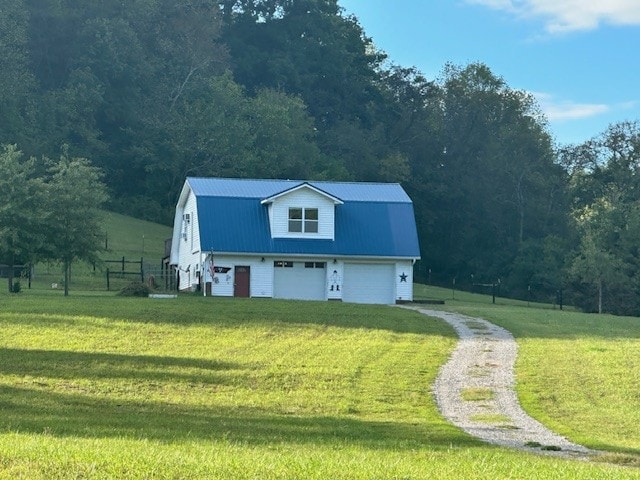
{"x":73,"y":365}
{"x":218,"y":311}
{"x":73,"y":415}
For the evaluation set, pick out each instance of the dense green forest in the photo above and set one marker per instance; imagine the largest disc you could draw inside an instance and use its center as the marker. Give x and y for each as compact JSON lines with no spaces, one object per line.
{"x":152,"y":91}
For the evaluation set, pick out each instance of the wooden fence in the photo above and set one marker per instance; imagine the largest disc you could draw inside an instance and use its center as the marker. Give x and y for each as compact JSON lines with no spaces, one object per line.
{"x":124,"y":271}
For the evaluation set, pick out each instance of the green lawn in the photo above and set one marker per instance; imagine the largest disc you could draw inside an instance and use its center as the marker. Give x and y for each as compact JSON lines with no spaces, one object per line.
{"x":577,"y":373}
{"x":593,"y":364}
{"x":111,"y":387}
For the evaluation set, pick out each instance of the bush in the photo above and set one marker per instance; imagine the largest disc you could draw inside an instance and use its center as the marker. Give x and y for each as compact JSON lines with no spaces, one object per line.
{"x":15,"y":288}
{"x":135,"y":289}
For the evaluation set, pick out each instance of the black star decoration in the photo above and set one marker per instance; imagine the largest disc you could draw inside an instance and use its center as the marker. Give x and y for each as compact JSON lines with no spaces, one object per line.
{"x":403,"y":277}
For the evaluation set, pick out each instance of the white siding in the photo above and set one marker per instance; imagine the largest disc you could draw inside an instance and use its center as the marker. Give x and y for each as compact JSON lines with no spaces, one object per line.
{"x":404,"y":288}
{"x":189,"y":258}
{"x":221,"y":282}
{"x":356,"y":282}
{"x":303,"y":198}
{"x":369,"y":283}
{"x":192,"y":209}
{"x":260,"y":280}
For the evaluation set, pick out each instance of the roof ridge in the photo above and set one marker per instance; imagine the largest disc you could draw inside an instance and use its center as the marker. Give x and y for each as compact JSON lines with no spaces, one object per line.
{"x":342,"y":182}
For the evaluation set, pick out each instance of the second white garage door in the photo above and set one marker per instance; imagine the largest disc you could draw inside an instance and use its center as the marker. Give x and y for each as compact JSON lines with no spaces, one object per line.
{"x":299,"y":280}
{"x":369,"y":283}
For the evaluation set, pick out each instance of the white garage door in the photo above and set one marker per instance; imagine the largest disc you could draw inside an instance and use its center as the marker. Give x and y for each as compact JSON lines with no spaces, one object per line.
{"x":299,"y":280}
{"x":369,"y":283}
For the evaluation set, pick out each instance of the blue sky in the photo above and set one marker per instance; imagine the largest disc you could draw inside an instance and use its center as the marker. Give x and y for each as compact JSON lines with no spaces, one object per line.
{"x":580,"y":58}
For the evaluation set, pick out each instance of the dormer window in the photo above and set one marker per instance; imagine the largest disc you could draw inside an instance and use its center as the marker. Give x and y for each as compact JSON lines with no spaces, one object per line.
{"x":302,"y":211}
{"x":303,"y":220}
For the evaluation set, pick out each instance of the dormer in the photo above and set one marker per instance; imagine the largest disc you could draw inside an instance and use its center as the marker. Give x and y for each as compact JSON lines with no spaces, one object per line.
{"x":303,"y":211}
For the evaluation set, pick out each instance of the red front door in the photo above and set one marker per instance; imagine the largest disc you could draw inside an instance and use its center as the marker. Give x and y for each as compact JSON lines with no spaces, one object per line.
{"x":241,"y":285}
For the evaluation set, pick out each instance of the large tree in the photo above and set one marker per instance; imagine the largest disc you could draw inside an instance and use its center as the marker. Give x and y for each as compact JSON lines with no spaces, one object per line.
{"x":75,"y":195}
{"x":306,"y":48}
{"x":598,"y":260}
{"x":605,"y":187}
{"x":22,"y":232}
{"x":494,"y":183}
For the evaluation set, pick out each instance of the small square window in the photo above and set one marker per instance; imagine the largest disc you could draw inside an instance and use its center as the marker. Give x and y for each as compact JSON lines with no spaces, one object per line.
{"x":295,"y":226}
{"x":311,"y":226}
{"x":295,"y":220}
{"x":311,"y":214}
{"x":303,"y":220}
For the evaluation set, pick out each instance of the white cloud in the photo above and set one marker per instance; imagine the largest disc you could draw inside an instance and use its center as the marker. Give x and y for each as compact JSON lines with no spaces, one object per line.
{"x":570,"y":15}
{"x":557,"y":111}
{"x":574,"y":111}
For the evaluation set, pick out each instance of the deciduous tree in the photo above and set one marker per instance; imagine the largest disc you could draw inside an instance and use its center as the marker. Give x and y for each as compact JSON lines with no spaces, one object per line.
{"x":75,"y":195}
{"x":22,"y":231}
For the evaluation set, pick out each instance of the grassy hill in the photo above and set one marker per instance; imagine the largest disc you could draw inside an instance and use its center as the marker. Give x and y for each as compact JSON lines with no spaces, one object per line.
{"x":112,"y":387}
{"x":133,"y":238}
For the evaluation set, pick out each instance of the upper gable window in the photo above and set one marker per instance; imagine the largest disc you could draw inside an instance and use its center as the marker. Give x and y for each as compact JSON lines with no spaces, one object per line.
{"x":303,"y":220}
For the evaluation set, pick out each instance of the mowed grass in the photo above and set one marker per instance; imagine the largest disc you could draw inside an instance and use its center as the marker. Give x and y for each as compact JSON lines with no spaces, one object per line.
{"x":111,"y":387}
{"x":577,"y":373}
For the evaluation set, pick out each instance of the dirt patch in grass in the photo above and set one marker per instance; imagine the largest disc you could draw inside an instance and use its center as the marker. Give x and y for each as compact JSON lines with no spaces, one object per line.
{"x":473,"y":325}
{"x":477,"y":394}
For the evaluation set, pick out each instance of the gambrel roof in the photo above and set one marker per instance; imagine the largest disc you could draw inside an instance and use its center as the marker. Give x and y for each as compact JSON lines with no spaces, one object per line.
{"x":371,"y":219}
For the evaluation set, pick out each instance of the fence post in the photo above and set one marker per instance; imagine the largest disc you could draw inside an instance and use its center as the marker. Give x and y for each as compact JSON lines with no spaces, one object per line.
{"x":122,"y":267}
{"x":141,"y":268}
{"x":559,"y":298}
{"x":108,"y":280}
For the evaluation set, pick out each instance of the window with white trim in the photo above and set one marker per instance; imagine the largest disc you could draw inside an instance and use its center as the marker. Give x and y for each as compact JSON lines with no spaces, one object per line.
{"x":186,"y":220}
{"x":303,"y":220}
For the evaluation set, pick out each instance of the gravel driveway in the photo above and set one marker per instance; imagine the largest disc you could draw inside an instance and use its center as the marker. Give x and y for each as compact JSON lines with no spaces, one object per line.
{"x":475,"y":390}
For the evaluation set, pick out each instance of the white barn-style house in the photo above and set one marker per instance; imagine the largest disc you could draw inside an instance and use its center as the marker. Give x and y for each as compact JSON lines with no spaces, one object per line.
{"x":355,"y":242}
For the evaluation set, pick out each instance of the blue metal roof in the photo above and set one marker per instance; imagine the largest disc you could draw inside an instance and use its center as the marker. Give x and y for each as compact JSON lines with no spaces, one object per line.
{"x":232,"y":219}
{"x":248,"y":188}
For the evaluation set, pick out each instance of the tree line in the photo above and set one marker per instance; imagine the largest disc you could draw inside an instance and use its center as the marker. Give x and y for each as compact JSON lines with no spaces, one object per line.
{"x":152,"y":91}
